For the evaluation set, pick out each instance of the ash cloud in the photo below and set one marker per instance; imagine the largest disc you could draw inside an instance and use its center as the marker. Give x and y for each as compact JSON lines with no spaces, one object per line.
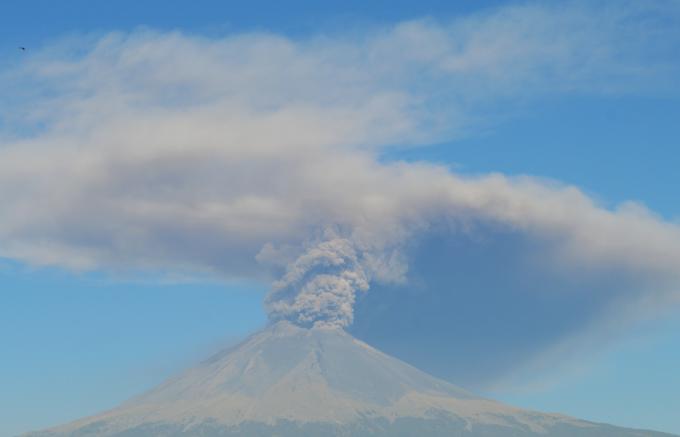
{"x":320,"y":287}
{"x":257,"y":156}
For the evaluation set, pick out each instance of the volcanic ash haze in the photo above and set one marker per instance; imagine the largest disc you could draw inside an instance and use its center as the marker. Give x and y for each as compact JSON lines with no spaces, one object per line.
{"x":263,"y":157}
{"x":291,"y":381}
{"x":252,"y":156}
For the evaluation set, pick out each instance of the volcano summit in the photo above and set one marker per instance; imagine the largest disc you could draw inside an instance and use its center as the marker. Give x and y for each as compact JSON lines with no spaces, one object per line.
{"x":289,"y":381}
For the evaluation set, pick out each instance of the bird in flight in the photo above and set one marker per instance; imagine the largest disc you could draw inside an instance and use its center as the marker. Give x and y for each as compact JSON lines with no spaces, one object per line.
{"x":22,"y":48}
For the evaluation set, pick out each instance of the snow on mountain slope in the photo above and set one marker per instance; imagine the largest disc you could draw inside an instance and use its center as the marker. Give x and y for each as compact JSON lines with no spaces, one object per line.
{"x":289,"y":381}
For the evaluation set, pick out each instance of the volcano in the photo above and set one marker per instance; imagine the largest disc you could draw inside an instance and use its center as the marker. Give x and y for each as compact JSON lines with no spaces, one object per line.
{"x":288,"y":381}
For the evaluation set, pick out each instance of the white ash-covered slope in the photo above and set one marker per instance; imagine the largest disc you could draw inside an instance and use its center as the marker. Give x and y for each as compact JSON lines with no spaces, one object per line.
{"x":289,"y":381}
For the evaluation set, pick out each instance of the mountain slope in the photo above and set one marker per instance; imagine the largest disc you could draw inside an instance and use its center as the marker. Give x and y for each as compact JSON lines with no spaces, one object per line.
{"x":289,"y":381}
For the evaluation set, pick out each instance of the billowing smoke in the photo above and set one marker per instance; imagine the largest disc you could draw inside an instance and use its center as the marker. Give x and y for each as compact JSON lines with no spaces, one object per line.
{"x":320,"y":287}
{"x":259,"y":157}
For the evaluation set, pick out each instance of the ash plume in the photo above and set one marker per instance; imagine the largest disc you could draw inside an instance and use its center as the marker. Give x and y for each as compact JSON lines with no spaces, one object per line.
{"x":165,"y":152}
{"x":320,"y":287}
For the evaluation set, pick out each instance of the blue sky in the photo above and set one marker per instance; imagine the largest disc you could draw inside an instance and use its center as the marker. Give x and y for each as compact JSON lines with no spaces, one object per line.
{"x":79,"y":342}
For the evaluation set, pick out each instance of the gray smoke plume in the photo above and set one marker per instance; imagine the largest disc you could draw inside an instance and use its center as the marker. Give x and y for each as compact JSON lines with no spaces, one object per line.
{"x":320,"y":287}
